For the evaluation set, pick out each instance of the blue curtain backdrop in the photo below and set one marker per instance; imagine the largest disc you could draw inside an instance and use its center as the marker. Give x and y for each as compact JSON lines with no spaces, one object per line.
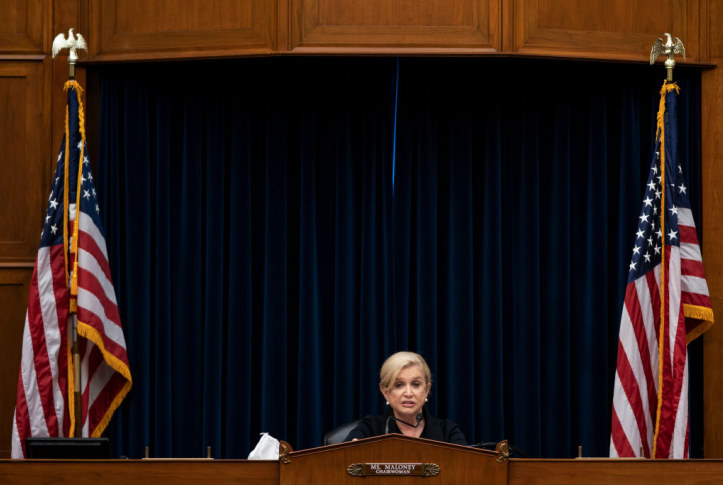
{"x":276,"y":227}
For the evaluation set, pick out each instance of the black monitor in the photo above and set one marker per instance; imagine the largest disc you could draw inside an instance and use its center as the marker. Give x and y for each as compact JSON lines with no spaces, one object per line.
{"x":67,"y":448}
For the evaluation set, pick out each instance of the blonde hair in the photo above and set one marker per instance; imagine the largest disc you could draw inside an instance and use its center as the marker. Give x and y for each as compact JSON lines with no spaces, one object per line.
{"x":401,"y":360}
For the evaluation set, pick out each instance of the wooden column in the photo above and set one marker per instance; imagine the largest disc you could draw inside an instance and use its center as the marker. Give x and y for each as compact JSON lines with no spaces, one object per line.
{"x":712,"y":152}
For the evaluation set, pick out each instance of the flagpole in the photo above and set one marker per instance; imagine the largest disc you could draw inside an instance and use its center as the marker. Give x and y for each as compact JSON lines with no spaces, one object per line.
{"x":73,"y":43}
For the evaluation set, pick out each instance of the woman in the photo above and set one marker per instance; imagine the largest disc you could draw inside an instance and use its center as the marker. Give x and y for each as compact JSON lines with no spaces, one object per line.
{"x":405,"y":381}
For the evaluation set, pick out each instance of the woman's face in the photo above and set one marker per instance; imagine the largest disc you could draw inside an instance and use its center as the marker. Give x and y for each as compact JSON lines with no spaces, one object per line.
{"x":408,"y":393}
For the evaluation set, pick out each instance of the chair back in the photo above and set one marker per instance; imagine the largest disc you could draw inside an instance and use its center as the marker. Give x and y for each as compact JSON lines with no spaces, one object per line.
{"x":338,"y":434}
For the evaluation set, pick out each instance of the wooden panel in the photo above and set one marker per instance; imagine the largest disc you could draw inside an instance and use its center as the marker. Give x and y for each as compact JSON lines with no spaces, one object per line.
{"x":24,"y":26}
{"x":712,"y":225}
{"x":604,"y":29}
{"x":167,"y":29}
{"x":140,"y":472}
{"x":382,"y":26}
{"x":605,"y":472}
{"x":714,"y":22}
{"x":25,"y":163}
{"x":712,"y":175}
{"x":14,"y":288}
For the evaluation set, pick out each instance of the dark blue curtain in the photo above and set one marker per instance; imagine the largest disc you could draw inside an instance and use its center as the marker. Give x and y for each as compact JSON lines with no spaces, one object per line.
{"x":277,"y":227}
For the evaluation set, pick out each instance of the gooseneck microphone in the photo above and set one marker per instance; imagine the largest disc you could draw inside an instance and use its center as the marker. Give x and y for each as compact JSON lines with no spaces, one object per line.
{"x":420,"y":416}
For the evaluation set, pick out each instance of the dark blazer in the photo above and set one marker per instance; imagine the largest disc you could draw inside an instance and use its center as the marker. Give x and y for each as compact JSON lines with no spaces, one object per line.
{"x":434,"y":429}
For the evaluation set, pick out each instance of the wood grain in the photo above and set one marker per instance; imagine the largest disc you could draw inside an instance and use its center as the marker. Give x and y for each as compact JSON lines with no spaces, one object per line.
{"x":458,"y":464}
{"x":712,"y":177}
{"x":24,"y":26}
{"x":611,"y":471}
{"x":320,"y":25}
{"x":24,"y":137}
{"x":139,"y":472}
{"x":168,"y":29}
{"x":14,"y":291}
{"x":607,"y":29}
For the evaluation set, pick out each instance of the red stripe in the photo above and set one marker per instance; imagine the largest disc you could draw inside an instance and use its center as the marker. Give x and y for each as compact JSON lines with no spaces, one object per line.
{"x":686,"y":446}
{"x":696,"y":299}
{"x":89,"y":282}
{"x":691,"y":267}
{"x":86,"y":242}
{"x":667,"y":412}
{"x":57,"y":264}
{"x":654,"y":302}
{"x":688,"y":234}
{"x":22,"y":418}
{"x":104,"y":400}
{"x":41,"y":360}
{"x":632,"y":304}
{"x":89,"y":318}
{"x":632,"y":391}
{"x":620,"y":440}
{"x":95,"y":360}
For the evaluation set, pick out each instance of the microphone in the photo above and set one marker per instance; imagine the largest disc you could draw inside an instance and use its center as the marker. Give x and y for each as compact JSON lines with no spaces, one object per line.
{"x":420,"y":416}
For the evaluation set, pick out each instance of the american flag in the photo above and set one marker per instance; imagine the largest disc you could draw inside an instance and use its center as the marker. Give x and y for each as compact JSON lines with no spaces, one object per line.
{"x":71,"y":271}
{"x":666,"y":306}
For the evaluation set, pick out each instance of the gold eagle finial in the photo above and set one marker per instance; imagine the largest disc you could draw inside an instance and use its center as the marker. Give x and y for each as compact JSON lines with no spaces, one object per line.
{"x":669,"y":48}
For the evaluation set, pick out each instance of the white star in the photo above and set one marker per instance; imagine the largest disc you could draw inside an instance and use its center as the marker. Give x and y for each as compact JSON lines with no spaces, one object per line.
{"x":648,"y":201}
{"x":682,"y":188}
{"x":51,"y":195}
{"x":652,"y":225}
{"x":47,"y":218}
{"x":97,"y":209}
{"x":60,"y":156}
{"x":655,"y":167}
{"x":680,"y":169}
{"x":56,"y":179}
{"x":659,"y":233}
{"x":90,"y":176}
{"x":86,"y":194}
{"x":650,"y":241}
{"x":651,"y":185}
{"x":80,"y":144}
{"x":660,"y":178}
{"x":632,"y":265}
{"x":54,"y":228}
{"x":672,"y":234}
{"x":657,"y":194}
{"x":82,"y":179}
{"x":640,"y":234}
{"x":86,"y":161}
{"x":655,"y":210}
{"x":657,"y":249}
{"x":674,"y":211}
{"x":54,"y":204}
{"x":94,"y":192}
{"x":636,"y":250}
{"x":647,"y":257}
{"x":643,"y":218}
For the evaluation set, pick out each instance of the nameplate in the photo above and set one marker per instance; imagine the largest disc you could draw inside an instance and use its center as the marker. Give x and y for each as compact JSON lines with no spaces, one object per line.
{"x":392,"y":469}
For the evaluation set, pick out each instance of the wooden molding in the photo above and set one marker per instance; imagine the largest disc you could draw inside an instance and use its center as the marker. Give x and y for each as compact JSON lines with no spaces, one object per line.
{"x":26,"y":157}
{"x":14,"y":291}
{"x":25,"y":27}
{"x":606,"y":29}
{"x":321,"y":26}
{"x":181,"y":29}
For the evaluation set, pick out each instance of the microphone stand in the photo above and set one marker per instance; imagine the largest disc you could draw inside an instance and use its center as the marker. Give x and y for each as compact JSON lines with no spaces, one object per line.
{"x":420,"y":416}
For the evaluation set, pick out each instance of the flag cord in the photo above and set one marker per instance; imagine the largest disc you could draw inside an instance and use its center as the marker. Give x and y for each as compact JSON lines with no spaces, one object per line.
{"x":661,"y":353}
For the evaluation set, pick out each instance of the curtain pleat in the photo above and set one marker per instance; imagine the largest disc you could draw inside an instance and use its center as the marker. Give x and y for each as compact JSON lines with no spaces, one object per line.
{"x":266,"y":264}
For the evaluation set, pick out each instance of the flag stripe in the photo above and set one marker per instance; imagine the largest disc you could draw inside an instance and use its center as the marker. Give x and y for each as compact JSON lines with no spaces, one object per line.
{"x":651,"y":319}
{"x":43,"y":403}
